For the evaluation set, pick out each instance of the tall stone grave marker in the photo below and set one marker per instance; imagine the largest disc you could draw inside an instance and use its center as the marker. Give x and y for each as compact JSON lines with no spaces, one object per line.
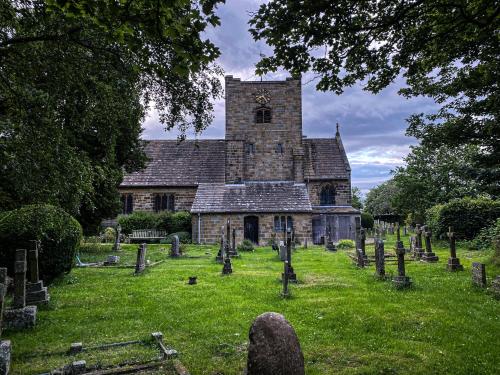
{"x":140,"y":264}
{"x":401,"y":280}
{"x":5,"y":345}
{"x":453,"y":261}
{"x":220,"y":255}
{"x":175,"y":248}
{"x":429,"y":256}
{"x":379,"y":259}
{"x":36,"y":293}
{"x":329,"y":245}
{"x":227,"y":269}
{"x":274,"y":347}
{"x":116,"y":245}
{"x":360,"y":259}
{"x":418,"y":251}
{"x":292,"y":277}
{"x":479,"y":274}
{"x":285,"y":279}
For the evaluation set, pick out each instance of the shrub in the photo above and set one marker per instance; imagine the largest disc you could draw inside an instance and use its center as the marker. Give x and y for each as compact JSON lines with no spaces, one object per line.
{"x":181,"y":222}
{"x":467,"y":216}
{"x":109,"y":235}
{"x":60,"y":235}
{"x":94,"y":248}
{"x":367,"y":220}
{"x":246,"y":245}
{"x":346,"y":244}
{"x":138,"y":220}
{"x":184,"y":237}
{"x":487,"y":237}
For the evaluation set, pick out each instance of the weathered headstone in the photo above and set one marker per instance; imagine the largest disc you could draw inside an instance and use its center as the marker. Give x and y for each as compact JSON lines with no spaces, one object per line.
{"x":418,"y":250}
{"x":282,"y":253}
{"x":5,"y":345}
{"x":495,"y":287}
{"x":360,"y":259}
{"x":453,"y":261}
{"x":140,"y":264}
{"x":401,"y":280}
{"x":479,"y":274}
{"x":285,"y":279}
{"x":274,"y":347}
{"x":220,"y":255}
{"x":379,"y":259}
{"x":329,"y":245}
{"x":292,"y":277}
{"x":36,"y":293}
{"x":20,"y":316}
{"x":227,"y":269}
{"x":118,"y":233}
{"x":175,"y":247}
{"x":429,"y":256}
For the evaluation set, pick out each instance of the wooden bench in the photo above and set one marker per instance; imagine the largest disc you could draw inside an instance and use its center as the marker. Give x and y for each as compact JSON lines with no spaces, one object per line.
{"x":147,"y":234}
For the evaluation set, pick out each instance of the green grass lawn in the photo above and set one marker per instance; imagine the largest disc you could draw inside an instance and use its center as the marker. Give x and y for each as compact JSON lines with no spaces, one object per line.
{"x":347,"y":322}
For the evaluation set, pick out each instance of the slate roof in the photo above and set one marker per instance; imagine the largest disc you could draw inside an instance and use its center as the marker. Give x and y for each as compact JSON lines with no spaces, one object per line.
{"x":252,"y":197}
{"x":187,"y":163}
{"x":325,"y":158}
{"x":335,"y":210}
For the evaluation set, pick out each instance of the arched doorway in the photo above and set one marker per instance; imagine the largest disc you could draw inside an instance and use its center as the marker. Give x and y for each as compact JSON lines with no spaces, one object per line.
{"x":251,"y":225}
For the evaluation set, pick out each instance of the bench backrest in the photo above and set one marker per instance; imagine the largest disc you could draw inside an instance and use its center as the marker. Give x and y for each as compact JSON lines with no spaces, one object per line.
{"x":148,"y":233}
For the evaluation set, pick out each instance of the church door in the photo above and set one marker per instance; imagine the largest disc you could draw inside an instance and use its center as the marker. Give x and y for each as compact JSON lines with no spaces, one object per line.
{"x":251,"y":224}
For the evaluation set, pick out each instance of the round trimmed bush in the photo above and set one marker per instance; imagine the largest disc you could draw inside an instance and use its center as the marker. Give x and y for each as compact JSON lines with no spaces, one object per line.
{"x":60,"y":235}
{"x":346,"y":244}
{"x":367,"y":220}
{"x":246,"y":245}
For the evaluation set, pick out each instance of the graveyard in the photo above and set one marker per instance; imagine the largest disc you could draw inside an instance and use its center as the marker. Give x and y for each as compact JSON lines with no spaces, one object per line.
{"x":347,"y":320}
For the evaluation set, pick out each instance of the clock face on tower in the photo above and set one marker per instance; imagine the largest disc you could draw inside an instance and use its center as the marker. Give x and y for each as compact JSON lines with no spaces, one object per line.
{"x":262,"y":96}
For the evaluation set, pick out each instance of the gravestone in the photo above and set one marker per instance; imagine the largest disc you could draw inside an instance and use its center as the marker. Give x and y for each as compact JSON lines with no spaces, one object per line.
{"x":379,"y":259}
{"x":116,"y":245}
{"x":20,"y":316}
{"x":429,"y":256}
{"x":36,"y":293}
{"x":292,"y":277}
{"x":112,"y":260}
{"x":401,"y":280}
{"x":479,"y":274}
{"x":329,"y":245}
{"x":360,"y":259}
{"x":282,"y":253}
{"x":227,"y":269}
{"x":175,"y":247}
{"x":220,"y":255}
{"x":453,"y":261}
{"x":418,"y":251}
{"x":495,"y":287}
{"x":274,"y":347}
{"x":5,"y":345}
{"x":140,"y":264}
{"x":285,"y":279}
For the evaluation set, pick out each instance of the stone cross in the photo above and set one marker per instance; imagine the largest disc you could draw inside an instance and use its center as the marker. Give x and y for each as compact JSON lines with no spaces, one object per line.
{"x":175,"y":249}
{"x":453,"y":261}
{"x":379,"y":259}
{"x":418,"y":245}
{"x":116,"y":246}
{"x":291,"y":275}
{"x":479,"y":274}
{"x":140,"y":264}
{"x":401,"y":280}
{"x":428,"y":256}
{"x":328,"y":240}
{"x":20,"y":280}
{"x":36,"y":293}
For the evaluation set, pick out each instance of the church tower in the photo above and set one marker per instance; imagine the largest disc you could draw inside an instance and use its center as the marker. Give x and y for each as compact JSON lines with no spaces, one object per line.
{"x":263,"y":130}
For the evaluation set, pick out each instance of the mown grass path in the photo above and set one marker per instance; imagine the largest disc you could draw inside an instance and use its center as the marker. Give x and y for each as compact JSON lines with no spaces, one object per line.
{"x":347,"y":322}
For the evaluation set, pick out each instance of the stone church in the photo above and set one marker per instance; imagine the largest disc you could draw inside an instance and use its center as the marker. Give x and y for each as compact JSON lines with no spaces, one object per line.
{"x":264,"y":176}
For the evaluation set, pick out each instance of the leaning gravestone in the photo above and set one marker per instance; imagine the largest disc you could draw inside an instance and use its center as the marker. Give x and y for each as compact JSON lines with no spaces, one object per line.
{"x":429,"y":256}
{"x":5,"y":346}
{"x":36,"y":293}
{"x":453,"y":261}
{"x":479,"y":274}
{"x":20,"y":316}
{"x":401,"y":280}
{"x":175,"y":247}
{"x":140,"y":264}
{"x":379,"y":259}
{"x":274,"y":347}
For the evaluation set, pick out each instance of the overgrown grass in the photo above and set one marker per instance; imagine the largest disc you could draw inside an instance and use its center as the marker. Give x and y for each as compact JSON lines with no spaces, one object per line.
{"x":347,"y":322}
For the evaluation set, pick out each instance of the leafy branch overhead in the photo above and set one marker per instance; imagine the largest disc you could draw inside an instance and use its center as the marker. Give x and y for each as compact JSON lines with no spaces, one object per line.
{"x":446,"y":50}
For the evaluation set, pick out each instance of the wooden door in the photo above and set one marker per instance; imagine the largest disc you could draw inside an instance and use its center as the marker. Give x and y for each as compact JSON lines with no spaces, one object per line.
{"x":251,"y":226}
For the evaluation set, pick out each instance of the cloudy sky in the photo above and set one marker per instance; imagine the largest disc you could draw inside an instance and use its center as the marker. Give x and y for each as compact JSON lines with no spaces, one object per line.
{"x":372,"y":126}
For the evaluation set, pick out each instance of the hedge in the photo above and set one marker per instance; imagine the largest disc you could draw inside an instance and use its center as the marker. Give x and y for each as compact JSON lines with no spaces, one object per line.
{"x":367,"y":220}
{"x":467,"y":216}
{"x":60,"y":235}
{"x":167,"y":221}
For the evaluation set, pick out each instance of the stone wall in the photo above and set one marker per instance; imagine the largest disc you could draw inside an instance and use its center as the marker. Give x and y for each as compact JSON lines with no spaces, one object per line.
{"x":234,"y":161}
{"x":144,"y":198}
{"x":212,"y":224}
{"x":285,"y":128}
{"x":342,"y":192}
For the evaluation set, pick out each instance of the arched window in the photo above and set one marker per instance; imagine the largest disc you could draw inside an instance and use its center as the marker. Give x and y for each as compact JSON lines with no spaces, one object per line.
{"x":327,"y":196}
{"x":263,"y":115}
{"x":127,"y":203}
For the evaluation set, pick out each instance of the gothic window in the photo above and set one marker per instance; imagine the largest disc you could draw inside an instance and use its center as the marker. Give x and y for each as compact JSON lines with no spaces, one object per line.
{"x":281,"y":223}
{"x":279,"y":148}
{"x":327,"y":196}
{"x":127,"y":203}
{"x":263,"y":115}
{"x":164,"y":202}
{"x":250,"y":148}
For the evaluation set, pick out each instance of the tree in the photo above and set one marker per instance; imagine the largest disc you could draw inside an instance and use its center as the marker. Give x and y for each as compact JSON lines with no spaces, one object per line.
{"x":379,"y":200}
{"x":76,"y":78}
{"x":356,"y":198}
{"x":446,"y":50}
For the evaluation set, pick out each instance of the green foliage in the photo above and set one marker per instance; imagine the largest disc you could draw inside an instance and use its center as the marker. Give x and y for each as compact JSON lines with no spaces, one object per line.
{"x":367,"y":220}
{"x":346,"y":245}
{"x":184,"y":237}
{"x":379,"y":200}
{"x":109,"y":234}
{"x":95,"y":248}
{"x":167,"y":221}
{"x":466,"y":216}
{"x":488,"y":238}
{"x":246,"y":245}
{"x":59,"y":233}
{"x":356,"y":201}
{"x":445,"y":50}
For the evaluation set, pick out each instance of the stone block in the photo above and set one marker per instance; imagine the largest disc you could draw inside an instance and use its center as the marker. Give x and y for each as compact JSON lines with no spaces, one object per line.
{"x":5,"y":353}
{"x":429,"y":257}
{"x":20,"y":318}
{"x":454,"y":265}
{"x":401,"y":282}
{"x":479,"y":274}
{"x":76,"y":347}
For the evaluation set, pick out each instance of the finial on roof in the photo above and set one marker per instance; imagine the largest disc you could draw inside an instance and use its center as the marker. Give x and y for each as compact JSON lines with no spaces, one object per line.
{"x":337,"y":134}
